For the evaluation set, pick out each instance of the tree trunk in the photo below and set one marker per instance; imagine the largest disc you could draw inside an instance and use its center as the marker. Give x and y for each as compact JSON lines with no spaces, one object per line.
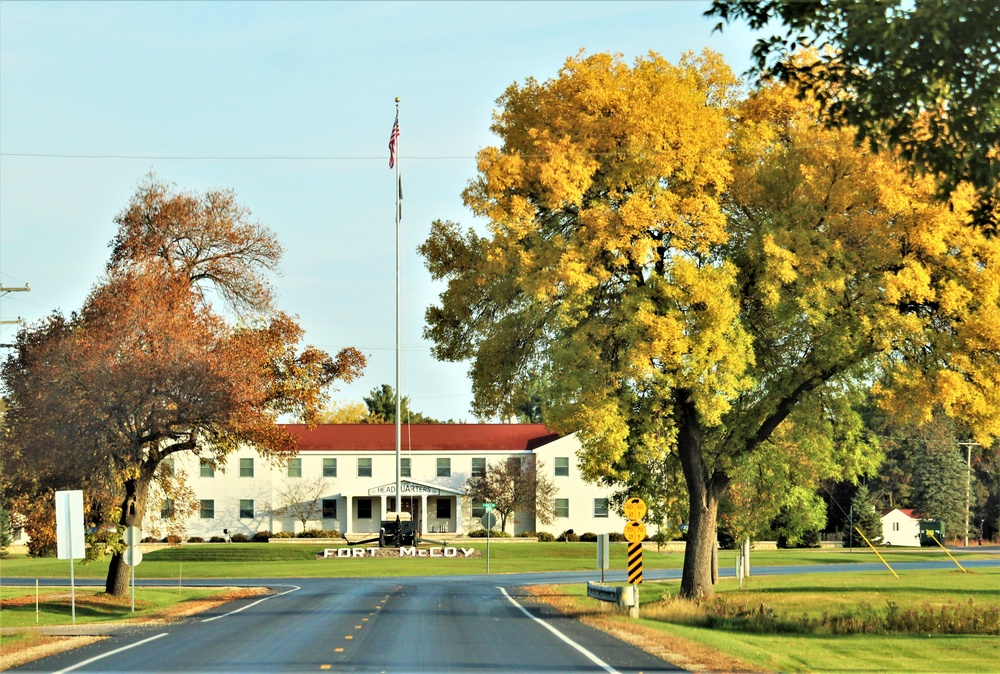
{"x":133,"y":510}
{"x":704,"y":492}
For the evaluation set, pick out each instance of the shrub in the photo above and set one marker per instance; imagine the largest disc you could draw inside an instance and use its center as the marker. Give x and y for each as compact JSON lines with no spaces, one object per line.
{"x":284,"y":534}
{"x":172,"y":539}
{"x":261,"y":536}
{"x":481,"y":533}
{"x":216,"y":539}
{"x":311,"y":533}
{"x":196,"y":539}
{"x":568,"y":537}
{"x":239,"y":538}
{"x":545,"y":537}
{"x":616,"y":537}
{"x":588,"y":537}
{"x":148,"y":539}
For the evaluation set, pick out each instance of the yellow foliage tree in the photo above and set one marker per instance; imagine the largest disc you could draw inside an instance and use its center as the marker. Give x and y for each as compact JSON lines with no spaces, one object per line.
{"x":685,"y":269}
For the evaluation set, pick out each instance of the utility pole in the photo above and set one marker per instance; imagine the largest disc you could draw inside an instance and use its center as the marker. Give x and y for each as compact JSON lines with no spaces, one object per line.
{"x":3,"y":291}
{"x":968,"y":483}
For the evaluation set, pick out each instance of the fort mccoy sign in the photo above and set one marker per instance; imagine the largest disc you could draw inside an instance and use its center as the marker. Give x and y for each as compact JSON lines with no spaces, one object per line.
{"x":446,"y":552}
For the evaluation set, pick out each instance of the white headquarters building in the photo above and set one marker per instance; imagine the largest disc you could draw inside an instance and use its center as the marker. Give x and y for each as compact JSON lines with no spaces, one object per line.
{"x":350,"y":470}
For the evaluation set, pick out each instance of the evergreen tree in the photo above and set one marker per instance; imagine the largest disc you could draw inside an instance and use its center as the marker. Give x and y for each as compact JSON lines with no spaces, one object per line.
{"x":865,"y":517}
{"x":940,"y":483}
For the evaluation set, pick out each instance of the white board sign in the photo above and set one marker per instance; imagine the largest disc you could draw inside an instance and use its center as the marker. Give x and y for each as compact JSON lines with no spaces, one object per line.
{"x":69,"y":525}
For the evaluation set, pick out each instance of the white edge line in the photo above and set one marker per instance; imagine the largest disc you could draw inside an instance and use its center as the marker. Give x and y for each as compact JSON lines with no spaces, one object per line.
{"x":244,"y":608}
{"x":109,"y":654}
{"x":590,"y":656}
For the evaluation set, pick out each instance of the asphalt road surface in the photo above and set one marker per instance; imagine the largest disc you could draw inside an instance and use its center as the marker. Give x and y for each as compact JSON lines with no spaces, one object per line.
{"x":451,"y":624}
{"x":374,"y":625}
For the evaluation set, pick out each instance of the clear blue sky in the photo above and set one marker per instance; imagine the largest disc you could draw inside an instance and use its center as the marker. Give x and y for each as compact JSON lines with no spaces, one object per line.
{"x":290,"y":105}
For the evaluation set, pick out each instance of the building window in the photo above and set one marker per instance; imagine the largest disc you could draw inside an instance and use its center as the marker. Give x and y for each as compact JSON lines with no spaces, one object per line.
{"x":444,"y":467}
{"x":364,"y":508}
{"x":167,"y":509}
{"x":600,"y":507}
{"x":246,"y":508}
{"x":246,"y":467}
{"x":329,"y":508}
{"x":444,"y":509}
{"x":562,"y":466}
{"x":329,"y":468}
{"x":167,"y":467}
{"x":206,"y":468}
{"x":207,"y":509}
{"x":295,"y":468}
{"x":478,"y":512}
{"x":404,"y":468}
{"x":478,"y":467}
{"x":562,"y":507}
{"x":895,"y":526}
{"x":364,"y":467}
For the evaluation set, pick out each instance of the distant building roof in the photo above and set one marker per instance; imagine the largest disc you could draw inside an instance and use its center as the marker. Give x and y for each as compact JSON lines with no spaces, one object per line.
{"x":909,"y":512}
{"x":423,"y":437}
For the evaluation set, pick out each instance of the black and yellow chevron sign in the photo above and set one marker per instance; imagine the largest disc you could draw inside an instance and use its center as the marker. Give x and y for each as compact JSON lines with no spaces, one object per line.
{"x":634,"y":563}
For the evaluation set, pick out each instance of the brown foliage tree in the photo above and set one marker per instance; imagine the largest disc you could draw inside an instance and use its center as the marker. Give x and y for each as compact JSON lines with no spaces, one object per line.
{"x":514,"y":486}
{"x":147,"y":369}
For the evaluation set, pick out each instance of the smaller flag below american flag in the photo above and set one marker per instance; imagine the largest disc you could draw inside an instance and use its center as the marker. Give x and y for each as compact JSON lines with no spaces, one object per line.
{"x":393,"y":137}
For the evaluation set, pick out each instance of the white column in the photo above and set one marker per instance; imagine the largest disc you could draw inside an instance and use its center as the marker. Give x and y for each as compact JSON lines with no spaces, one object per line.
{"x":381,"y":513}
{"x":346,"y":518}
{"x":423,"y":514}
{"x":458,"y":514}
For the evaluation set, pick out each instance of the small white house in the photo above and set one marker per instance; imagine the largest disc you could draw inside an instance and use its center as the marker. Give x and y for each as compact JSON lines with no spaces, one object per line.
{"x":901,"y":527}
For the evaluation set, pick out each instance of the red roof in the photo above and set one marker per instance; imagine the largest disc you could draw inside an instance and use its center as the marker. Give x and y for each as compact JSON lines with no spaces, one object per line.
{"x":909,"y":512}
{"x":422,"y":437}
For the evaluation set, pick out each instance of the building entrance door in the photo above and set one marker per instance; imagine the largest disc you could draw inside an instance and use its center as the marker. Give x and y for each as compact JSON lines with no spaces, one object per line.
{"x":409,"y":505}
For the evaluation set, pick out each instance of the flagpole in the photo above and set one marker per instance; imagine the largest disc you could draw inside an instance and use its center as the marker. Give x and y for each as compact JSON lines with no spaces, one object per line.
{"x":398,"y":394}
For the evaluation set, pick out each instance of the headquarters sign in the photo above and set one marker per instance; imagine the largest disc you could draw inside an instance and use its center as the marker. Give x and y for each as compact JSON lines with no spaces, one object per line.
{"x":406,"y":488}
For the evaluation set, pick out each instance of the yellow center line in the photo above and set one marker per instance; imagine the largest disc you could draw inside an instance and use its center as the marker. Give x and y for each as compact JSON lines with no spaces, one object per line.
{"x":338,"y":650}
{"x":324,"y":666}
{"x":349,"y":636}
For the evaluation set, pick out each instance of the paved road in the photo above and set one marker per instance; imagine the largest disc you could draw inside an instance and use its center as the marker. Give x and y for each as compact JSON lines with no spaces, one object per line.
{"x":394,"y":625}
{"x":455,"y":623}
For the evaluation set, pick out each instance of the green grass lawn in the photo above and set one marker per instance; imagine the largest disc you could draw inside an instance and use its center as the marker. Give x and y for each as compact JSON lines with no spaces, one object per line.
{"x":55,"y":604}
{"x":796,"y":606}
{"x":270,"y":560}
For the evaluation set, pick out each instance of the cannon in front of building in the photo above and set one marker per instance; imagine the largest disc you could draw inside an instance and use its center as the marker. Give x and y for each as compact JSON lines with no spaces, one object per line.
{"x":397,"y":530}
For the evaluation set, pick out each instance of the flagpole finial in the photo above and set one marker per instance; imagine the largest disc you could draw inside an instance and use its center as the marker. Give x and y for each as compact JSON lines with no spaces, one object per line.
{"x":397,"y":99}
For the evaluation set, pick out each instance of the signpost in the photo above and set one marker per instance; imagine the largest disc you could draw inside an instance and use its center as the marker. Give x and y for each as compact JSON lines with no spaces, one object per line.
{"x":489,"y":521}
{"x":133,"y":555}
{"x":603,"y":554}
{"x":69,"y":534}
{"x":635,"y":533}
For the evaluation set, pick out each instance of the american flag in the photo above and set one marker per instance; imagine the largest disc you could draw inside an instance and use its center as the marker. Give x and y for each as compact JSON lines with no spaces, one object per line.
{"x":393,"y":137}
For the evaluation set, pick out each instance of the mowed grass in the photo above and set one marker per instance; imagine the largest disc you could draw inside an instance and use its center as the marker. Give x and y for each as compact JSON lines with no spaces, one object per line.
{"x":274,"y":560}
{"x":55,"y":604}
{"x":943,"y":606}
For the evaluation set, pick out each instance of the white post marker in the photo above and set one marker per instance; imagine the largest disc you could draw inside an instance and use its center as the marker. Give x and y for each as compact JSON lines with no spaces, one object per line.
{"x":133,"y":555}
{"x":70,"y":542}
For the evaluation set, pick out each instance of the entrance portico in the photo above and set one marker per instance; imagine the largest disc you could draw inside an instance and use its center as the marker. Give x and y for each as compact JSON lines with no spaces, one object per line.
{"x":435,"y":507}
